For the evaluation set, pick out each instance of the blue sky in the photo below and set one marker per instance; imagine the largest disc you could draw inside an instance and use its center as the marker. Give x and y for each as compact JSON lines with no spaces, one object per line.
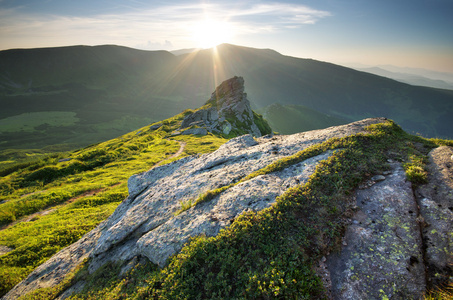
{"x":407,"y":33}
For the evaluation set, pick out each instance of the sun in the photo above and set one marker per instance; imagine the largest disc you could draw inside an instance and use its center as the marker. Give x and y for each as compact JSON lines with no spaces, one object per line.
{"x":209,"y":33}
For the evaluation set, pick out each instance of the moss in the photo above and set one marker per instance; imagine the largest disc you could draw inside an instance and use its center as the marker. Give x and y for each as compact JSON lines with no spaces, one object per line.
{"x":262,"y":124}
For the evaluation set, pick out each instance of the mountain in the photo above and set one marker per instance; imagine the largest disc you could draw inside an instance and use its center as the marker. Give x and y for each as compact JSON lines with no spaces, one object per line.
{"x":410,"y":78}
{"x":80,"y":95}
{"x":349,"y":212}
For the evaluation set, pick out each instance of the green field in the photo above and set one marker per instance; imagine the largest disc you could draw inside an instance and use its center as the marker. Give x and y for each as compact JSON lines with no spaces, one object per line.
{"x":33,"y":121}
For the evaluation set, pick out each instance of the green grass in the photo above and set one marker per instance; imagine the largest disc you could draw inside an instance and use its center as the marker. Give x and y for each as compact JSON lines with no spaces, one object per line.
{"x":288,"y":119}
{"x":269,"y":254}
{"x":77,"y":194}
{"x":32,"y":121}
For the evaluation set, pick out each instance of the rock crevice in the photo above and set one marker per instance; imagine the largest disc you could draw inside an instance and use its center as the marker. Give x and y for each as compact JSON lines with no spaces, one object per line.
{"x":400,"y":239}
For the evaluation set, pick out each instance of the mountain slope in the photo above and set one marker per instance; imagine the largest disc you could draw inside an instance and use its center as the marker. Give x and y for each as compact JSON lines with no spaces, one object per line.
{"x":308,"y":215}
{"x":110,"y":90}
{"x":50,"y":203}
{"x":284,"y":204}
{"x":409,"y":78}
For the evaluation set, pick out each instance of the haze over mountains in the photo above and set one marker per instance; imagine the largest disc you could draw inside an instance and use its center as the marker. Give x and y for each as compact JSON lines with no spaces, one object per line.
{"x":413,"y":76}
{"x":83,"y":95}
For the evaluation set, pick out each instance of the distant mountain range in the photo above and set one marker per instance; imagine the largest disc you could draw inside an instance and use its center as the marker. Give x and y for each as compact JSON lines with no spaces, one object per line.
{"x":80,"y":95}
{"x":413,"y":77}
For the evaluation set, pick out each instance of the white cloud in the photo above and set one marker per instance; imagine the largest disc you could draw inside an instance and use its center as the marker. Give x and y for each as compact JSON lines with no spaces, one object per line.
{"x":151,"y":27}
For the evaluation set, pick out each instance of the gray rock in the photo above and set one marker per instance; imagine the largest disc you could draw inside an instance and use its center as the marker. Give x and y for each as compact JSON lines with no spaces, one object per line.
{"x":155,"y":126}
{"x":64,"y":159}
{"x":382,"y":257}
{"x":436,"y":209}
{"x":4,"y":250}
{"x":228,"y":102}
{"x":226,"y":128}
{"x":195,"y":131}
{"x":378,"y":178}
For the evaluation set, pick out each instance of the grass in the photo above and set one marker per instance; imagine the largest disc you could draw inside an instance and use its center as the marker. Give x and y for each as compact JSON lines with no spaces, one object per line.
{"x":32,"y":121}
{"x":442,"y":293}
{"x":269,"y":254}
{"x":65,"y":199}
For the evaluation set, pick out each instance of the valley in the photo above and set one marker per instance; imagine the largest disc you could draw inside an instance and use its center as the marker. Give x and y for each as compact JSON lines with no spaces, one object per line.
{"x":111,"y":90}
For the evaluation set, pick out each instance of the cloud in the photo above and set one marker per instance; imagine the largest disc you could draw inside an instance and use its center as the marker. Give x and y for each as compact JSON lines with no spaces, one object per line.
{"x":149,"y":26}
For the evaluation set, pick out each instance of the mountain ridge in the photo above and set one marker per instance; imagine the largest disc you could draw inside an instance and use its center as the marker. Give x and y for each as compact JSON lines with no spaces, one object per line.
{"x":124,"y":86}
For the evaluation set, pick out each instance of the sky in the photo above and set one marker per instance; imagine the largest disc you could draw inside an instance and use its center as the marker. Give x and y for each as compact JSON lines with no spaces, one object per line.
{"x":405,"y":33}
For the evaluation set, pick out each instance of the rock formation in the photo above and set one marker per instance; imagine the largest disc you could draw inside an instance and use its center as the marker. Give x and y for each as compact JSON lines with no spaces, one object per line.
{"x":228,"y":109}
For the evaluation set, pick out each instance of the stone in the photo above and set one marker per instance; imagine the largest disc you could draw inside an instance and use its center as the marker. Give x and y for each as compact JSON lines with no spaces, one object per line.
{"x":436,"y":209}
{"x":226,"y":128}
{"x":378,"y":178}
{"x":383,"y":254}
{"x":64,"y":159}
{"x":195,"y":131}
{"x":228,"y":109}
{"x":5,"y":249}
{"x":155,"y":126}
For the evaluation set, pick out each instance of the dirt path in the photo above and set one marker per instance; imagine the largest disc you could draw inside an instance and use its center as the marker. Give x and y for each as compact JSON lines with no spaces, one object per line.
{"x":182,"y":146}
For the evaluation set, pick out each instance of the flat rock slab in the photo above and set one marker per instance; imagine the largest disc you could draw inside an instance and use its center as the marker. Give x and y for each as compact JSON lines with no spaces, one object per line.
{"x":144,"y":224}
{"x":382,"y":255}
{"x":5,"y":249}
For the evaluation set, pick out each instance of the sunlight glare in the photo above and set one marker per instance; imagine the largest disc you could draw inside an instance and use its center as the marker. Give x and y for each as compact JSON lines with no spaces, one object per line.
{"x":210,"y":33}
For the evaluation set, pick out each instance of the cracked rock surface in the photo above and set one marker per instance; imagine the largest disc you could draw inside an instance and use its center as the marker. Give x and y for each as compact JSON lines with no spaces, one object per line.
{"x":436,"y":209}
{"x":382,"y":254}
{"x":145,"y":225}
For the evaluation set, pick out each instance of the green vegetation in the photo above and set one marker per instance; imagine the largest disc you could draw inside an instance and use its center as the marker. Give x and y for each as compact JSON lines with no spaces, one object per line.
{"x":288,"y":119}
{"x":262,"y":124}
{"x":268,"y":254}
{"x":50,"y":200}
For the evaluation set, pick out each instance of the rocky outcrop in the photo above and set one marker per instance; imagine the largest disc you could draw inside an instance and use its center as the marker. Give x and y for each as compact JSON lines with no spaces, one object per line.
{"x":146,"y":225}
{"x":228,"y":109}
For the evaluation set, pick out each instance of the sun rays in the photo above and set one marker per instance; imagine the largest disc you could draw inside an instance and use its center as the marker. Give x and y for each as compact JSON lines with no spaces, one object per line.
{"x":209,"y":33}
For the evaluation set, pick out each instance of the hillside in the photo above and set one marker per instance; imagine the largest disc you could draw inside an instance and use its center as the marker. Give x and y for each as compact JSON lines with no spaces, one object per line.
{"x":358,"y":211}
{"x":49,"y":203}
{"x":80,"y":95}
